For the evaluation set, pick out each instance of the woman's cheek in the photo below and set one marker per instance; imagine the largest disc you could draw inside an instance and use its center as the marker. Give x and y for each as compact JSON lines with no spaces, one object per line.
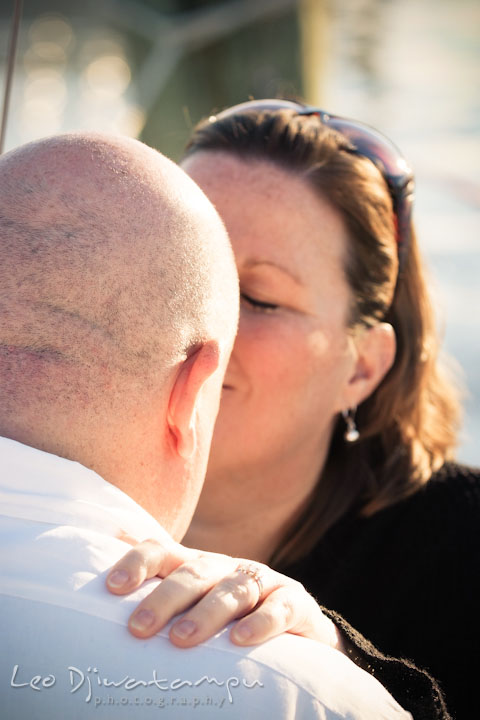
{"x":280,"y":353}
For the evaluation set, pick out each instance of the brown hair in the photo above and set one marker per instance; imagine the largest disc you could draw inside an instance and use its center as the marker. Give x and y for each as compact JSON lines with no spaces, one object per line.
{"x":408,"y":424}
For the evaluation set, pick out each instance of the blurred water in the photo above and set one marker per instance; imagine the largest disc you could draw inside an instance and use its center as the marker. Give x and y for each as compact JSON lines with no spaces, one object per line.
{"x":412,"y":68}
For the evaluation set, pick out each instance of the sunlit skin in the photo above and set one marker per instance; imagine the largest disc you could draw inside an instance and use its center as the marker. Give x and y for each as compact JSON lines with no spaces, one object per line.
{"x":295,"y":364}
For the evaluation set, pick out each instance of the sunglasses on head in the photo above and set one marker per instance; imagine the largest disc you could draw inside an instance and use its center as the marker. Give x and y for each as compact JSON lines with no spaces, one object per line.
{"x":366,"y":142}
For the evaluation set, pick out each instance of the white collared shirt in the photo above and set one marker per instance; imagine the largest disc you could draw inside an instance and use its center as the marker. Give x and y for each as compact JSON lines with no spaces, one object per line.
{"x":65,"y":648}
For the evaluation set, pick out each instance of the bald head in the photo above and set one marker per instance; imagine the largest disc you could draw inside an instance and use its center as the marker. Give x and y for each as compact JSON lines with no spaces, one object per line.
{"x":108,"y":248}
{"x":113,"y":267}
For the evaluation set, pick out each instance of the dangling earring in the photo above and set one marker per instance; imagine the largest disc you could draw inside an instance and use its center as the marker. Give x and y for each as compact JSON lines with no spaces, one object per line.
{"x":351,"y":433}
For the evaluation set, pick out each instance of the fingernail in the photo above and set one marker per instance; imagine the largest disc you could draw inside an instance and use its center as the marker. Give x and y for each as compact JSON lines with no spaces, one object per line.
{"x":118,"y":578}
{"x":142,"y":620}
{"x":243,"y":632}
{"x":184,"y":629}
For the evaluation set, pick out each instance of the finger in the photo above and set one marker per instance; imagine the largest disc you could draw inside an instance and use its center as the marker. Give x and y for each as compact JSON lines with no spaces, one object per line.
{"x":288,"y":609}
{"x":275,"y":615}
{"x":185,"y":586}
{"x":231,"y":597}
{"x":125,"y":537}
{"x":144,"y":561}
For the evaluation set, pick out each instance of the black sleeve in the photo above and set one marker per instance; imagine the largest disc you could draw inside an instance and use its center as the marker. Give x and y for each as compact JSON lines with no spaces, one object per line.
{"x":414,"y":689}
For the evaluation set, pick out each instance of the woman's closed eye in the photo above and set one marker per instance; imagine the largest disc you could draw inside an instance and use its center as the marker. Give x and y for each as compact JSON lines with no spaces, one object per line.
{"x":258,"y":304}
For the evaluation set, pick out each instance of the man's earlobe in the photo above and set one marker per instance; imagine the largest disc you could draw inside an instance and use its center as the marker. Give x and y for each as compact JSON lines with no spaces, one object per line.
{"x":184,"y":396}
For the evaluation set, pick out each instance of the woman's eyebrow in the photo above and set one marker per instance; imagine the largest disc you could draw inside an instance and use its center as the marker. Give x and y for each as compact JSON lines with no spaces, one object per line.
{"x":252,"y":263}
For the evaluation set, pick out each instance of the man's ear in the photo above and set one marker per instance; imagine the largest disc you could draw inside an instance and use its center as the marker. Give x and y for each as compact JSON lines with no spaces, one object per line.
{"x":375,"y":349}
{"x":182,"y":405}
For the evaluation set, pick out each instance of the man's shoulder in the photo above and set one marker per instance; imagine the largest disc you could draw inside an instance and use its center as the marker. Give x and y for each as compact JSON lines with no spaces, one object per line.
{"x":86,"y":664}
{"x":63,"y":626}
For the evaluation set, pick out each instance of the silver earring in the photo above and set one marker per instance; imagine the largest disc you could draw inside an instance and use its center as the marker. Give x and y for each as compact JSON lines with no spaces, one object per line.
{"x":351,"y":433}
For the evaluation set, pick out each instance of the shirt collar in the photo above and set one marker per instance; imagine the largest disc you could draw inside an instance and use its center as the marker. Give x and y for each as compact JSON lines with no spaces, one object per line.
{"x":36,"y":485}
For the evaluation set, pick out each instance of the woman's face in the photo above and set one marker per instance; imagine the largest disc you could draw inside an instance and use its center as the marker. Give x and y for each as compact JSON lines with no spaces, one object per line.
{"x":293,"y":356}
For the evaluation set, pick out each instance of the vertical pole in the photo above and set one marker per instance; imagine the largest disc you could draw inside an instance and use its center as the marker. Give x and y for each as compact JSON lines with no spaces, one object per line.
{"x":12,"y":51}
{"x":314,"y":22}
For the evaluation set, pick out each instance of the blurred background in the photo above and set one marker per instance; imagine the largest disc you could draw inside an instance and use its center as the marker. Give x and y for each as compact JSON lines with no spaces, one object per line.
{"x":153,"y":68}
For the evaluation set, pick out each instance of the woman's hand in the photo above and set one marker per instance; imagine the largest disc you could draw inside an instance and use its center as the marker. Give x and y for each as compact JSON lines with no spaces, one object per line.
{"x":216,"y":589}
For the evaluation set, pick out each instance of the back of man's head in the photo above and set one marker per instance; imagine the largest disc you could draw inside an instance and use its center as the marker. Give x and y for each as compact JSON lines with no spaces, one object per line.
{"x":116,"y":279}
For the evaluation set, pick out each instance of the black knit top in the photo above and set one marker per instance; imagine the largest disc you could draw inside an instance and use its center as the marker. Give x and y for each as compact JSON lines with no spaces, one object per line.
{"x":408,"y":579}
